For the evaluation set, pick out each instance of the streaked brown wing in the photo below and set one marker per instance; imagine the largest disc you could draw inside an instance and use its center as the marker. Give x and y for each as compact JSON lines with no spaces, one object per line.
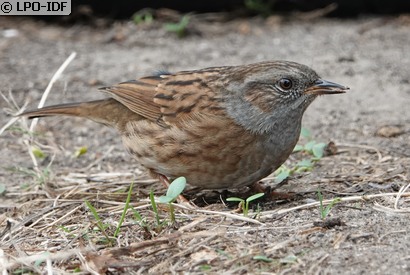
{"x":188,"y":95}
{"x":170,"y":99}
{"x":138,"y":95}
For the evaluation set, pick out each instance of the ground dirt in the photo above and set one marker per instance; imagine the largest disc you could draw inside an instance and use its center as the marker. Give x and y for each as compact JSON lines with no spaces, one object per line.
{"x":44,"y":211}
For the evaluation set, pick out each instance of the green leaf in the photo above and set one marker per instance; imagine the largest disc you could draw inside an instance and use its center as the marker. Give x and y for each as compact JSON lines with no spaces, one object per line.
{"x":321,"y":209}
{"x":282,"y":176}
{"x":65,"y":229}
{"x":154,"y":207}
{"x":80,"y":151}
{"x":165,"y":199}
{"x":305,"y":133}
{"x":235,"y":199}
{"x":262,"y":258}
{"x":306,"y":163}
{"x":318,"y":149}
{"x":143,"y":17}
{"x":281,"y":169}
{"x":2,"y":189}
{"x":254,"y":197}
{"x":176,"y":187}
{"x":329,"y":207}
{"x":262,"y":7}
{"x":38,"y":152}
{"x":205,"y":267}
{"x":124,"y":212}
{"x":41,"y":259}
{"x":298,"y":148}
{"x":93,"y":211}
{"x":180,"y":27}
{"x":137,"y":215}
{"x":303,"y":169}
{"x":309,"y":145}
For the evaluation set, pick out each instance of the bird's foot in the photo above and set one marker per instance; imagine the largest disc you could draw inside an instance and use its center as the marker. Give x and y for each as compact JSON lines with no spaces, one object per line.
{"x":270,"y":193}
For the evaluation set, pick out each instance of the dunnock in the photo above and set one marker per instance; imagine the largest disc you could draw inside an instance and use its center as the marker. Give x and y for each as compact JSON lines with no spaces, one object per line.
{"x":220,"y":127}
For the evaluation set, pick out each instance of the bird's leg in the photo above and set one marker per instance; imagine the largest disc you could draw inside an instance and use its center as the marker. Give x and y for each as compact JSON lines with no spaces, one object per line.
{"x":164,"y":180}
{"x":270,"y":193}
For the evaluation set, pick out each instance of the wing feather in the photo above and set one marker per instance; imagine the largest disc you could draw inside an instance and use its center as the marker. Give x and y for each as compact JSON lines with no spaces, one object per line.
{"x":171,"y":99}
{"x":188,"y":95}
{"x":138,"y":95}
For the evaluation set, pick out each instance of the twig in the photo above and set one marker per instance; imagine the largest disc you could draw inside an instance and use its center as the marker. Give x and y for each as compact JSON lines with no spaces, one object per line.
{"x":8,"y":124}
{"x":50,"y":85}
{"x":29,"y":141}
{"x":61,"y":218}
{"x":402,"y":191}
{"x":228,"y":215}
{"x":326,"y":202}
{"x":61,"y":255}
{"x":317,"y":13}
{"x":11,"y":102}
{"x":389,"y":210}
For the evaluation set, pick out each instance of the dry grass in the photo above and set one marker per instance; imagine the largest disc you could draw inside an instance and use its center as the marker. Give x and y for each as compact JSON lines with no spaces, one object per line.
{"x":52,"y":230}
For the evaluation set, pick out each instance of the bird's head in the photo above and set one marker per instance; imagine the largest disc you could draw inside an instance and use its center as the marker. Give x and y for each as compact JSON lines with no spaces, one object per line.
{"x":270,"y":92}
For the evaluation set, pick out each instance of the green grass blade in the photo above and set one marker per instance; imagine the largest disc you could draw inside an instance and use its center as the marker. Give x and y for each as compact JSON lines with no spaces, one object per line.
{"x":154,"y":207}
{"x":98,"y":219}
{"x":235,"y":199}
{"x":254,"y":197}
{"x":124,"y":212}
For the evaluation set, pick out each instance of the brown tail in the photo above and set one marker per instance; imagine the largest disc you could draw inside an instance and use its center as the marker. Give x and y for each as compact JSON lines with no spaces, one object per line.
{"x":106,"y":111}
{"x":69,"y":109}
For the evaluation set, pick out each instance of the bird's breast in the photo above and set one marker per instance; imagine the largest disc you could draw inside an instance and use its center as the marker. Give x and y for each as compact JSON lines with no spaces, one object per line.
{"x":210,"y":154}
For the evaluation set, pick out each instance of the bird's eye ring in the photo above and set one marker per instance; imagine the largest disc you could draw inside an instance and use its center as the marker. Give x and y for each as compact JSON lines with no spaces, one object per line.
{"x":285,"y":83}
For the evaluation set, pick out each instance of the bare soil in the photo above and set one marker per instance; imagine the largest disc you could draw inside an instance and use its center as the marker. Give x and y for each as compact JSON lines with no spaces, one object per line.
{"x":44,"y":210}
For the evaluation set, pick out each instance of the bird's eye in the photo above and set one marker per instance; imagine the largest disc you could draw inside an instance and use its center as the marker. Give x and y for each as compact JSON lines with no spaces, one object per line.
{"x":285,"y":83}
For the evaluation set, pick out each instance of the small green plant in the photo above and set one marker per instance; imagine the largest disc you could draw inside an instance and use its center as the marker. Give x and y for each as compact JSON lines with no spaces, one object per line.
{"x":42,"y":258}
{"x":37,"y":152}
{"x":143,"y":17}
{"x":316,"y":149}
{"x":124,"y":212}
{"x":142,"y":221}
{"x":174,"y":190}
{"x":179,"y":28}
{"x":244,"y":204}
{"x":324,"y":211}
{"x":99,"y":224}
{"x":80,"y":151}
{"x":3,"y":189}
{"x":262,"y":258}
{"x":311,"y":148}
{"x":284,"y":172}
{"x":205,"y":267}
{"x":43,"y":175}
{"x":262,"y":7}
{"x":40,"y":176}
{"x":155,"y":208}
{"x":67,"y":230}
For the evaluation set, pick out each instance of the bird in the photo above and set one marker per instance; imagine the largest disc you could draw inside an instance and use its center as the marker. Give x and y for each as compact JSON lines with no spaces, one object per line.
{"x":220,"y":127}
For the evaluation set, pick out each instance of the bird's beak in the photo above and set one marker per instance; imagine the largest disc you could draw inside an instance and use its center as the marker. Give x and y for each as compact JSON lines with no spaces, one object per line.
{"x":323,"y":87}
